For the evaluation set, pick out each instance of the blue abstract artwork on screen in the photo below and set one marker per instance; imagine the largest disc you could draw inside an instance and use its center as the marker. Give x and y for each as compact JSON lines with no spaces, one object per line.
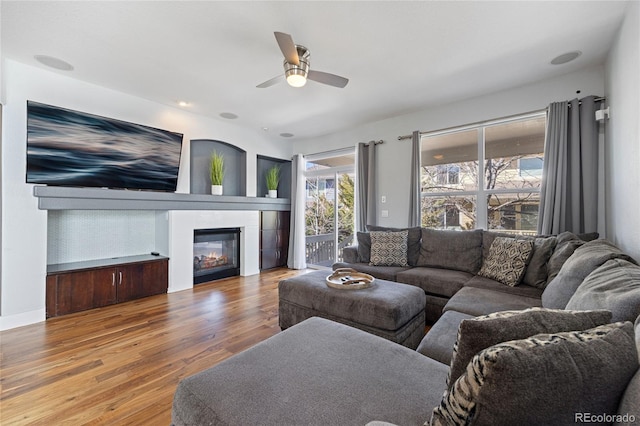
{"x":72,"y":148}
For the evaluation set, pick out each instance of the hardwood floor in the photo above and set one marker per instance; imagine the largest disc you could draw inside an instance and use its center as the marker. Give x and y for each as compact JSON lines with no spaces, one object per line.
{"x":121,"y":364}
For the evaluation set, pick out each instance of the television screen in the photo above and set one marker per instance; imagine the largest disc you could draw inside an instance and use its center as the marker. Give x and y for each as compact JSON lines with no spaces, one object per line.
{"x":72,"y":148}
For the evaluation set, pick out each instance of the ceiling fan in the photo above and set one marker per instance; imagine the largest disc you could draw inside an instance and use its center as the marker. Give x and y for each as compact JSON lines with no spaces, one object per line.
{"x":296,"y":66}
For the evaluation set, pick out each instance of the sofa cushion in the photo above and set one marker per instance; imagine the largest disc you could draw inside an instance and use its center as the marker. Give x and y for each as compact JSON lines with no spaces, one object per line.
{"x":476,"y":334}
{"x":439,"y":341}
{"x":381,"y":272}
{"x":554,"y":376}
{"x":507,"y":260}
{"x":629,"y":402}
{"x":388,"y":248}
{"x":566,"y":244}
{"x":350,"y":254}
{"x":413,"y":240}
{"x":316,"y":372}
{"x":457,"y":250}
{"x":536,"y":273}
{"x":582,"y":262}
{"x":479,"y":301}
{"x":364,"y":247}
{"x":442,"y":282}
{"x":614,"y":286}
{"x":489,"y":284}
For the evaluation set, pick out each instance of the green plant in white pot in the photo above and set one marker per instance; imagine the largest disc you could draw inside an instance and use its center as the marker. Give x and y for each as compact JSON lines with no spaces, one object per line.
{"x":216,"y":172}
{"x":272,"y":178}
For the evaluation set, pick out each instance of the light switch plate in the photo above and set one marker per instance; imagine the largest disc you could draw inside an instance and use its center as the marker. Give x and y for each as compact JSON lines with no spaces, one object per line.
{"x":385,"y":213}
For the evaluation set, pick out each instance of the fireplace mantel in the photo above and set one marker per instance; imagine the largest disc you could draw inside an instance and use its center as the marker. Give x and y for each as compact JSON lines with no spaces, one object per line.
{"x":64,"y":198}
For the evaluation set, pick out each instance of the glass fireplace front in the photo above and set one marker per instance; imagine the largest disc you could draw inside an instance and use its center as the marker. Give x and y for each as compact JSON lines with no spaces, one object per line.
{"x":216,"y":254}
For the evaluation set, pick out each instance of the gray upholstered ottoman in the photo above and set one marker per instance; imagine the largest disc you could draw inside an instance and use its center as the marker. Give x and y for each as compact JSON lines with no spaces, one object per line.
{"x":387,"y":309}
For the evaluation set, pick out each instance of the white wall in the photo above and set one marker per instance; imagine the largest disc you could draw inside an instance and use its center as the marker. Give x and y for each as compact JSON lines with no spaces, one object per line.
{"x":24,"y":227}
{"x":394,"y":156}
{"x":622,"y":88}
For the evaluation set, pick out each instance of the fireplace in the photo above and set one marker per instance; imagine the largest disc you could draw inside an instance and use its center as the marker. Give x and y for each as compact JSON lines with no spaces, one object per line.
{"x":216,"y":254}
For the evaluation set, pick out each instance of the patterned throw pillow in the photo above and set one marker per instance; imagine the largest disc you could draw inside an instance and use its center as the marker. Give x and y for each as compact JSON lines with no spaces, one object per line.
{"x":388,"y":248}
{"x":476,"y":334}
{"x":507,"y":260}
{"x":545,"y":379}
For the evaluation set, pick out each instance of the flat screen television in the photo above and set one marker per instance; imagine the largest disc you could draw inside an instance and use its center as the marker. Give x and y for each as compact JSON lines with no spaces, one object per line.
{"x":72,"y":148}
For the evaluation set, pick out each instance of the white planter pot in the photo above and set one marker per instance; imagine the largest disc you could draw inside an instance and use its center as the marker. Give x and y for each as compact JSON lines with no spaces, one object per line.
{"x":216,"y":189}
{"x":273,"y":193}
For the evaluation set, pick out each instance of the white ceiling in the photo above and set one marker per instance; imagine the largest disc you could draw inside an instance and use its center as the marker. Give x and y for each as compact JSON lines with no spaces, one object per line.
{"x":400,"y":56}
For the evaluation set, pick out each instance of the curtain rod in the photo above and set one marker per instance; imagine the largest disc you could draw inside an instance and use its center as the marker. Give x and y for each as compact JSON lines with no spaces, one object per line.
{"x":375,"y":142}
{"x":477,"y":123}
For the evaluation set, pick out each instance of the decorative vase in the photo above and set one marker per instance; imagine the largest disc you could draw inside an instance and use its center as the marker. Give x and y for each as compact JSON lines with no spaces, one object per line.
{"x":216,"y":189}
{"x":273,"y":193}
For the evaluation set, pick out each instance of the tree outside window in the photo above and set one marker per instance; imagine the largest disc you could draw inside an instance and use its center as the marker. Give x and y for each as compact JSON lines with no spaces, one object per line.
{"x":500,"y":191}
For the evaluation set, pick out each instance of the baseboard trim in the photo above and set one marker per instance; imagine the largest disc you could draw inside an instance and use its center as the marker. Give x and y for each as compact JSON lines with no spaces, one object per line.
{"x":8,"y":322}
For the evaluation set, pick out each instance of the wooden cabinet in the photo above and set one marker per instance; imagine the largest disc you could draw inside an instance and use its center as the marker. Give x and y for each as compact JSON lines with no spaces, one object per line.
{"x":274,"y":238}
{"x":78,"y":286}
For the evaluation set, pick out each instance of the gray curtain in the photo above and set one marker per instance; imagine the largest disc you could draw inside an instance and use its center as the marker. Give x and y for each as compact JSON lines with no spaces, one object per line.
{"x":569,"y":193}
{"x":297,"y":256}
{"x":414,"y":184}
{"x":366,"y":188}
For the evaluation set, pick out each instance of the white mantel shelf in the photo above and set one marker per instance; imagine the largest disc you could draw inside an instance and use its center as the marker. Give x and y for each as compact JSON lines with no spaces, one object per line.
{"x":64,"y":198}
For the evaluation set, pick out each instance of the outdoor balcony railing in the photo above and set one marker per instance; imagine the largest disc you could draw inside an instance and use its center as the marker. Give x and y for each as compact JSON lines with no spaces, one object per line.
{"x":320,"y":249}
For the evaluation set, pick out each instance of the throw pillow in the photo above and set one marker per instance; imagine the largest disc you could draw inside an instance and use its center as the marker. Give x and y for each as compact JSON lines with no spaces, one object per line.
{"x":566,"y":244}
{"x":476,"y":334}
{"x":364,"y":247}
{"x":545,"y":379}
{"x":413,"y":240}
{"x":457,"y":250}
{"x":614,"y":286}
{"x":536,"y":273}
{"x":388,"y":248}
{"x":507,"y":261}
{"x":582,"y":262}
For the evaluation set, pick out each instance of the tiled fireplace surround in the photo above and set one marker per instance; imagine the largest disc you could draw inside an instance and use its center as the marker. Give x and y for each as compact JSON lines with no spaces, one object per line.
{"x":76,"y":235}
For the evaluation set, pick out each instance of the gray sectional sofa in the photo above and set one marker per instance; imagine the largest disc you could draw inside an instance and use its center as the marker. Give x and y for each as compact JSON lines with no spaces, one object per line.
{"x":444,"y":262}
{"x":562,"y":351}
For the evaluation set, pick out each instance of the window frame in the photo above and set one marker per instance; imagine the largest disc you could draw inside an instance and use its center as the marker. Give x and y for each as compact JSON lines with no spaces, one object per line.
{"x":481,"y":193}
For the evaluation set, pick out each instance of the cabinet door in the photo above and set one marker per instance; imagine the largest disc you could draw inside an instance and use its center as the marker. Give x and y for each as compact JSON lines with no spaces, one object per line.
{"x":155,"y":278}
{"x":269,"y":220}
{"x":141,"y":280}
{"x":269,"y":259}
{"x":79,"y":291}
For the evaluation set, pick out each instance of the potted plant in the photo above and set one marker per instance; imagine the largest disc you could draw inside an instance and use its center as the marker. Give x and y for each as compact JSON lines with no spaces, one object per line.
{"x":273,"y":178}
{"x":216,"y":171}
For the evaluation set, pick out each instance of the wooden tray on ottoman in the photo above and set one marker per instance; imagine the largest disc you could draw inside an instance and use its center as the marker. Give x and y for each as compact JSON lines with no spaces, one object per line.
{"x":349,"y":279}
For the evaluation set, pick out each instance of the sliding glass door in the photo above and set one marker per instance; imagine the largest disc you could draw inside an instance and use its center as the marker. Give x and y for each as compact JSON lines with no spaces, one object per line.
{"x":329,"y":214}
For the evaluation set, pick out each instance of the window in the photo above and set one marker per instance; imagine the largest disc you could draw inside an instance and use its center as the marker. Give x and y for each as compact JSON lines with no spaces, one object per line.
{"x":484,"y":176}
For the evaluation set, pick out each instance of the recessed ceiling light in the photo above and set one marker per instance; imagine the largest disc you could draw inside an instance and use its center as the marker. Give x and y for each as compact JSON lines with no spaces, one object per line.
{"x":565,"y":57}
{"x":286,"y":135}
{"x":266,"y":129}
{"x":228,"y":115}
{"x":52,"y":62}
{"x":183,"y":104}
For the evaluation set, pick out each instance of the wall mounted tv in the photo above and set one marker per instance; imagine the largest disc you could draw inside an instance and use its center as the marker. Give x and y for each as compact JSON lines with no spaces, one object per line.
{"x":72,"y":148}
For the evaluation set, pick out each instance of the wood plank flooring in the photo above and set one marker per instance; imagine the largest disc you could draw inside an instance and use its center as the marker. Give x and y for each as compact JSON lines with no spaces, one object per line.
{"x":121,"y":364}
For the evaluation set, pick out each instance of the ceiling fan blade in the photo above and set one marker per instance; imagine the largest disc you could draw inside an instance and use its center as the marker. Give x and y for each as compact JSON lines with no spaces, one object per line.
{"x":288,"y":47}
{"x":275,"y":80}
{"x":326,"y":78}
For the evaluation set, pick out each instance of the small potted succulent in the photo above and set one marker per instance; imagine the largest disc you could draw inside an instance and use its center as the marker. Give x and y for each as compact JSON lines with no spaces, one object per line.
{"x":216,"y":172}
{"x":272,"y":178}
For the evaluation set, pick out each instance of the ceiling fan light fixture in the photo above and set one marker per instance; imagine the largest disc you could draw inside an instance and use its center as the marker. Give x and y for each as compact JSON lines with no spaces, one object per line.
{"x":296,"y":80}
{"x":296,"y":74}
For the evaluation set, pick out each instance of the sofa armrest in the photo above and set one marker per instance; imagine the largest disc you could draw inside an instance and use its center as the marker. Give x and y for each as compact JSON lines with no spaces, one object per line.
{"x":350,"y":254}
